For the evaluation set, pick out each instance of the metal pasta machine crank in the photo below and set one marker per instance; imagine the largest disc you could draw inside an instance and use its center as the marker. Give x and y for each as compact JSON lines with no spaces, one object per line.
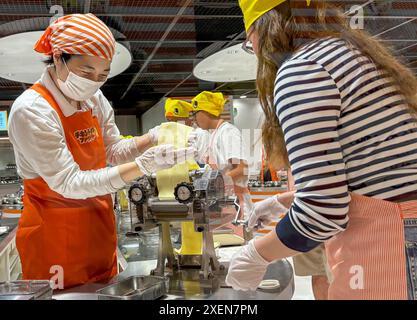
{"x":202,"y":202}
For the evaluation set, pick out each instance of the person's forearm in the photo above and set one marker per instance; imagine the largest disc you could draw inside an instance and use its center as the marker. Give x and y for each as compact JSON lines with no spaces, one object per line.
{"x":143,"y":143}
{"x":129,"y":172}
{"x":126,"y":150}
{"x":238,"y":171}
{"x":271,"y":248}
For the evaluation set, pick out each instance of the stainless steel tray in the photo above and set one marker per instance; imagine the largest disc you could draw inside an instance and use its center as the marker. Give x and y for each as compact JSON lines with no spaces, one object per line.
{"x":136,"y":288}
{"x":39,"y":289}
{"x":3,"y":229}
{"x":18,"y":297}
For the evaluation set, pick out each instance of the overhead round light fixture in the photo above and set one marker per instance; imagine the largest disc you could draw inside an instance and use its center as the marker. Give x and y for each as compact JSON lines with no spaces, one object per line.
{"x":20,"y":63}
{"x":228,"y":65}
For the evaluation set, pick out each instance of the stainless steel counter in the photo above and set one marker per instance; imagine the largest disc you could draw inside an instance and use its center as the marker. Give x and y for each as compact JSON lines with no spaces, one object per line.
{"x":5,"y":239}
{"x":141,"y":253}
{"x":194,"y":290}
{"x":9,"y":188}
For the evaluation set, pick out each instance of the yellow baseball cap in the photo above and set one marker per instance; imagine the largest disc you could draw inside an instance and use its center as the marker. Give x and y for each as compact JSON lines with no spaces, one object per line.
{"x":211,"y":102}
{"x":177,"y":108}
{"x":254,"y":9}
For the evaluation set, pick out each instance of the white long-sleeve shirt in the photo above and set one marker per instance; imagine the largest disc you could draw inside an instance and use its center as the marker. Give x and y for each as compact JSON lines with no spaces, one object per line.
{"x":38,"y":139}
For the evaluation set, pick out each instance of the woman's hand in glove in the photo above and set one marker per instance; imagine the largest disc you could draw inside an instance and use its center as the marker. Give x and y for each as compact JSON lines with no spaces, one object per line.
{"x":247,"y":269}
{"x":268,"y":210}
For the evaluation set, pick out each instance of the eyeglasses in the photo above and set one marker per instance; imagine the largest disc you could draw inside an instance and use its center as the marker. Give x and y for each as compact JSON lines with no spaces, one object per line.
{"x":247,"y":46}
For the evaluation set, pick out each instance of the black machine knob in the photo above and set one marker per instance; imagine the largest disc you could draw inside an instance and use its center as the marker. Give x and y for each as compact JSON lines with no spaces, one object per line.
{"x":137,"y":194}
{"x":184,"y":192}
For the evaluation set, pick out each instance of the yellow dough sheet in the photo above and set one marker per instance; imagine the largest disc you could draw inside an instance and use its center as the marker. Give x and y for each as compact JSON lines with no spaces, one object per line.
{"x":177,"y":134}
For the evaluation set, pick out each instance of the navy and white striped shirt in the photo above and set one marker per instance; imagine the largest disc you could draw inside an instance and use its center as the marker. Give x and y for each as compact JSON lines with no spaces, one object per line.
{"x":347,"y":129}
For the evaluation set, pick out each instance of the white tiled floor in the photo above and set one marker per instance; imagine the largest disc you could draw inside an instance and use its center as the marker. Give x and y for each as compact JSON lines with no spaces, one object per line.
{"x":303,"y":289}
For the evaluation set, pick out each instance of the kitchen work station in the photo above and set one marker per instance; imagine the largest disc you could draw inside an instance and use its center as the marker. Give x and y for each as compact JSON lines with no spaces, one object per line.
{"x":208,"y":150}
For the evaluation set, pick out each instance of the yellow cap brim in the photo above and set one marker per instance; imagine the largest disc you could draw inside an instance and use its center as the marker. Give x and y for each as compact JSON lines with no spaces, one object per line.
{"x":257,"y":8}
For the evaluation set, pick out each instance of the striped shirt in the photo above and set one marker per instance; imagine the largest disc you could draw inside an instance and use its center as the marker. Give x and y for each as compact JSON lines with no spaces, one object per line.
{"x":347,"y":129}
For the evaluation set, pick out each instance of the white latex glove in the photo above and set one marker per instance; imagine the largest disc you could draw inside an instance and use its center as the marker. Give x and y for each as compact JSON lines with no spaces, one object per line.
{"x":264,"y":212}
{"x":163,"y":157}
{"x":154,"y":134}
{"x":247,"y":269}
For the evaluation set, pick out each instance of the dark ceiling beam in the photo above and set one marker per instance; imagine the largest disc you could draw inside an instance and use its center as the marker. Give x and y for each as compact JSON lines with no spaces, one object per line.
{"x":398,"y":40}
{"x":234,"y":83}
{"x":389,"y":17}
{"x":394,"y":28}
{"x":156,"y":73}
{"x":169,"y":59}
{"x":178,"y":85}
{"x":177,"y":41}
{"x":407,"y":47}
{"x":127,"y":15}
{"x":87,"y":6}
{"x":216,"y":5}
{"x":221,"y":86}
{"x":174,"y":21}
{"x":202,"y":17}
{"x":249,"y":92}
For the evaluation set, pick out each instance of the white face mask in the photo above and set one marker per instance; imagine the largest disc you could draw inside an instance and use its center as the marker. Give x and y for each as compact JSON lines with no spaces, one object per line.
{"x":78,"y":88}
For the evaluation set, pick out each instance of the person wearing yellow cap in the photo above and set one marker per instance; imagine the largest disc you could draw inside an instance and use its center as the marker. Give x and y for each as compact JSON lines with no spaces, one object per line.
{"x":179,"y":111}
{"x":64,"y":137}
{"x":225,"y":151}
{"x":340,"y":111}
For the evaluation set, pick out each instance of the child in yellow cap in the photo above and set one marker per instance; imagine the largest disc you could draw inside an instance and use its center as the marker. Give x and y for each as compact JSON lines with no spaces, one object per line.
{"x":179,"y":111}
{"x":225,"y":151}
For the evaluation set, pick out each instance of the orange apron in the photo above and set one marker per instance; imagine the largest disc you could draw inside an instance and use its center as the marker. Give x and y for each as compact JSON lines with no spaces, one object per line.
{"x":274,"y":176}
{"x":368,"y":259}
{"x":77,"y":235}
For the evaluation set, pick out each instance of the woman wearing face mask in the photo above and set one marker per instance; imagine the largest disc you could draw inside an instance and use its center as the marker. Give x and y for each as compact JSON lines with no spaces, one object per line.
{"x":340,"y":109}
{"x":64,"y":134}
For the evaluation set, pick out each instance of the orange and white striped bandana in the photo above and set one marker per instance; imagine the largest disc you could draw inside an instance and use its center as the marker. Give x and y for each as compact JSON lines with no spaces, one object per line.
{"x":82,"y":34}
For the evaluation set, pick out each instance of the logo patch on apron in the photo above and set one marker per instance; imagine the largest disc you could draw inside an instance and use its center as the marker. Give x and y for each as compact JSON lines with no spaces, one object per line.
{"x":86,"y":135}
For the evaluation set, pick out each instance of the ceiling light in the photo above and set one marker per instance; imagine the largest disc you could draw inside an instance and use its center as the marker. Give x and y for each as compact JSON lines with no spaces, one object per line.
{"x":243,"y":97}
{"x":228,"y":65}
{"x":29,"y":67}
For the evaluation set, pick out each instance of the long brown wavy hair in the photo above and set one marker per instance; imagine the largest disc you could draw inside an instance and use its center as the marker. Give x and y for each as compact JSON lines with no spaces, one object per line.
{"x":278,"y":31}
